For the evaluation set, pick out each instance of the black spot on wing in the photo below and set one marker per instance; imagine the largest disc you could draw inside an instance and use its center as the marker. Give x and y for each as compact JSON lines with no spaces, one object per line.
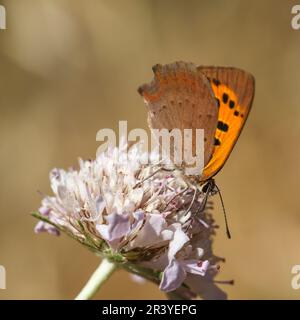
{"x":225,"y":97}
{"x":222,"y":126}
{"x":217,"y":142}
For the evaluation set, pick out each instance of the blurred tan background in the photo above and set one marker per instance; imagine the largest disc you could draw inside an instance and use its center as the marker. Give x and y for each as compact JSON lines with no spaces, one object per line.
{"x":70,"y":68}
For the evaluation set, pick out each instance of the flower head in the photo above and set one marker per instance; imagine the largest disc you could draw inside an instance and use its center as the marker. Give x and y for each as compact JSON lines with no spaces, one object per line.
{"x":145,"y":217}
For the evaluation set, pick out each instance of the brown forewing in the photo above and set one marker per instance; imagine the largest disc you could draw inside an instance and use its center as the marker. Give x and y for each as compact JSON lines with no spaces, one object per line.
{"x":181,"y":97}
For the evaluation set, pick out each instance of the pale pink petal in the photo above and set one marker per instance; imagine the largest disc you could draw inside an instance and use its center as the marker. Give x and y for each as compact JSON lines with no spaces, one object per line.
{"x":150,"y":233}
{"x":42,"y":226}
{"x":117,"y":227}
{"x":139,"y":217}
{"x":178,"y":241}
{"x":173,"y":276}
{"x":195,"y":266}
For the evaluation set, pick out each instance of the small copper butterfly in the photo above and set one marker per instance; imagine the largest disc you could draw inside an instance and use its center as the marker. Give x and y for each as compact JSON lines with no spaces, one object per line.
{"x":216,"y":99}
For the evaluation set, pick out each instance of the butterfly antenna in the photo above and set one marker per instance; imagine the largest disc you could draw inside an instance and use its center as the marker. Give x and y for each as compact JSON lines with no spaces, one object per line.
{"x":224,"y":212}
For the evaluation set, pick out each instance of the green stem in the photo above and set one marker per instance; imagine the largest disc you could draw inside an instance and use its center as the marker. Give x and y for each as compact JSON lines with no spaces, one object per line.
{"x":102,"y":273}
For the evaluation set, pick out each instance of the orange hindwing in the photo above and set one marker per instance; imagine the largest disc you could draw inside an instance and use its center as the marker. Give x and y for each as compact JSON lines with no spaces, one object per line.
{"x":234,"y":91}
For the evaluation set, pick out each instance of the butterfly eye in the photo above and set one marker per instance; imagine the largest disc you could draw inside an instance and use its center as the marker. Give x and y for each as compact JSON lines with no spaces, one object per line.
{"x":205,"y":188}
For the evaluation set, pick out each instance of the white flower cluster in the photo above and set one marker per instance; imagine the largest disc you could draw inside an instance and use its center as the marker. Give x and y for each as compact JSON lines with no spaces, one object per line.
{"x":147,"y":214}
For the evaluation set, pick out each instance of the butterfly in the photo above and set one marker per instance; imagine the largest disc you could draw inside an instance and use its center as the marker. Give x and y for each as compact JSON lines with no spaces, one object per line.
{"x":216,"y":99}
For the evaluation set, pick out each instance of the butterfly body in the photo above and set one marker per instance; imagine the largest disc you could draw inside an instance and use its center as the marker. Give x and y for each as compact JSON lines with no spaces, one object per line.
{"x":216,"y":99}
